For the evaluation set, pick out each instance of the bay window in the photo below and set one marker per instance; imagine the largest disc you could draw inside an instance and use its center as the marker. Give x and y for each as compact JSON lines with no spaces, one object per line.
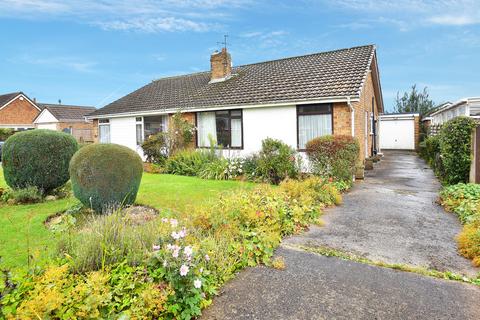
{"x":313,"y":121}
{"x":223,"y":128}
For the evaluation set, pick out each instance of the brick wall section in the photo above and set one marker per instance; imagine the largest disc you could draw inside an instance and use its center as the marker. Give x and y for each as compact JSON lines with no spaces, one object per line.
{"x":342,"y":119}
{"x":220,"y":64}
{"x":95,"y":130}
{"x":417,"y":131}
{"x":190,"y":117}
{"x":363,"y":108}
{"x":85,"y":127}
{"x":18,"y":112}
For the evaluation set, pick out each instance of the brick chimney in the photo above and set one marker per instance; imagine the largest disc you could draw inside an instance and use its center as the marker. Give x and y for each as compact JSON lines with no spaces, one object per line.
{"x":221,"y":66}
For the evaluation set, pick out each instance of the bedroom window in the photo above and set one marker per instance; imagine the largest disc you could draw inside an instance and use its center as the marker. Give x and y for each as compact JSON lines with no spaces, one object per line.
{"x":313,"y":121}
{"x":104,"y":130}
{"x":224,"y":127}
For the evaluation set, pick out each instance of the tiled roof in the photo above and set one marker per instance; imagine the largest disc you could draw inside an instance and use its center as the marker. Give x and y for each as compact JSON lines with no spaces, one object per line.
{"x":4,"y":98}
{"x":337,"y":73}
{"x":67,"y":112}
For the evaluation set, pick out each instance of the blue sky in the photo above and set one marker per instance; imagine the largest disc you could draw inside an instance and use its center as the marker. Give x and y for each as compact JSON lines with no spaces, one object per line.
{"x":93,"y":52}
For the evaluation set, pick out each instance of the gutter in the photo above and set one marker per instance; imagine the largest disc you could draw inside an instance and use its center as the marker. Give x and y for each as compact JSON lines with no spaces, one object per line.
{"x":227,"y":107}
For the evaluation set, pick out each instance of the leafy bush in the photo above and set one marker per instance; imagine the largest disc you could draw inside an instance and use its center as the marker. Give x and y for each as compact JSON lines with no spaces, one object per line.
{"x":155,"y":148}
{"x":455,"y":149}
{"x":222,"y":169}
{"x":38,"y":158}
{"x":430,"y":151}
{"x":57,"y":293}
{"x":5,"y":133}
{"x":105,"y":176}
{"x":188,"y":162}
{"x":178,"y":137}
{"x":276,"y":161}
{"x":25,"y":195}
{"x":333,"y":156}
{"x":464,"y":200}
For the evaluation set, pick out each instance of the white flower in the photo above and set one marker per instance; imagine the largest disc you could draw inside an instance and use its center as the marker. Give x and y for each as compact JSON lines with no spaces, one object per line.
{"x":164,"y":263}
{"x":173,"y":222}
{"x":176,"y":235}
{"x":197,"y":283}
{"x":207,"y":257}
{"x":164,"y":220}
{"x":183,"y":270}
{"x":188,"y":251}
{"x":175,"y":253}
{"x":201,"y":270}
{"x":182,"y":233}
{"x":155,"y":247}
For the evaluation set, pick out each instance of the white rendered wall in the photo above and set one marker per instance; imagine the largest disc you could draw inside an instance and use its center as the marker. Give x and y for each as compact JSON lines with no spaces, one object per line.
{"x":122,"y":131}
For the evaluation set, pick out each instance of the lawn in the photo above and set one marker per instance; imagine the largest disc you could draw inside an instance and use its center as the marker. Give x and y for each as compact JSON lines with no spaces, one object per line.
{"x":23,"y":232}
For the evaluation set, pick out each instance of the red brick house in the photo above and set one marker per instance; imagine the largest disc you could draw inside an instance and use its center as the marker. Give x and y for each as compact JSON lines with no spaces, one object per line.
{"x":293,"y":99}
{"x":17,"y":111}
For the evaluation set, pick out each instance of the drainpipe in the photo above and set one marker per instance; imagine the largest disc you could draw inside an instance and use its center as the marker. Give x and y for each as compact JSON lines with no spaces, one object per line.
{"x":352,"y":114}
{"x":352,"y":120}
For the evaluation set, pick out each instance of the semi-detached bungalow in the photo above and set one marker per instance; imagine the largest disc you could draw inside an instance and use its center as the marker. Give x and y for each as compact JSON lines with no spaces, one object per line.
{"x":293,"y":99}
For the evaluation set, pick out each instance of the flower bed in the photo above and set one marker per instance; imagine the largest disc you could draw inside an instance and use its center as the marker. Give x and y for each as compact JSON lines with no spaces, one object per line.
{"x":169,"y":267}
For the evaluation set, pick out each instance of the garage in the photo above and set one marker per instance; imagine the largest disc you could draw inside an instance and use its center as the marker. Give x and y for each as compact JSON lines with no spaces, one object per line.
{"x":399,"y":131}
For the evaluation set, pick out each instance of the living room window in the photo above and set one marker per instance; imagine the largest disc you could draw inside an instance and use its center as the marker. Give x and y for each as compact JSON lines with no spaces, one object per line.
{"x":224,"y":127}
{"x":313,"y":120}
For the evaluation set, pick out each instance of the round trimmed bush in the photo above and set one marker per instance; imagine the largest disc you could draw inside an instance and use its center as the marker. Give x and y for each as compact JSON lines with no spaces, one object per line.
{"x":38,"y":158}
{"x":106,"y":176}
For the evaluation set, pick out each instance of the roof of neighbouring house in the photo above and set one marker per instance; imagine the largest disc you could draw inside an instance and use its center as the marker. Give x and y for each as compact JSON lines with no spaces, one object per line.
{"x":332,"y":74}
{"x":4,"y":98}
{"x":67,"y":113}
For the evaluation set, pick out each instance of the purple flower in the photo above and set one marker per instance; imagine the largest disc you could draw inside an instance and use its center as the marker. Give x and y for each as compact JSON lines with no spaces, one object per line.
{"x":155,"y":247}
{"x":188,"y":251}
{"x":174,"y":222}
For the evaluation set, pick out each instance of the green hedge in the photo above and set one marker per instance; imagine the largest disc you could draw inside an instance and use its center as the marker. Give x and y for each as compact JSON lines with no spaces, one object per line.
{"x":38,"y":158}
{"x":105,"y":176}
{"x":456,"y":148}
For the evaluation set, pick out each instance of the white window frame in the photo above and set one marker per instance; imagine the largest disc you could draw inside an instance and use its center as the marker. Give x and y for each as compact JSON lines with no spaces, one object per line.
{"x":104,"y":122}
{"x":139,"y":122}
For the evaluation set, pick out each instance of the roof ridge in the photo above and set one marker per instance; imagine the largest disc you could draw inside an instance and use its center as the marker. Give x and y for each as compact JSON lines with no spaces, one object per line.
{"x":268,"y":61}
{"x":63,"y":105}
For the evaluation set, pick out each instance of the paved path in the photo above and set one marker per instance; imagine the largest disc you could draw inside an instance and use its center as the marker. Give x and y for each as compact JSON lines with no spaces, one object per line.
{"x":392,"y":217}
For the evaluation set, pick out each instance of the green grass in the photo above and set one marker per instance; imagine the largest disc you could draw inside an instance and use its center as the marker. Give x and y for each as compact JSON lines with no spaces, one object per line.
{"x":22,"y":226}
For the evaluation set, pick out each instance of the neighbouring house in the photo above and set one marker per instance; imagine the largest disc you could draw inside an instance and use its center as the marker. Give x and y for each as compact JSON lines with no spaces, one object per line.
{"x":469,"y":107}
{"x":293,"y":99}
{"x":66,"y":118}
{"x":17,"y":111}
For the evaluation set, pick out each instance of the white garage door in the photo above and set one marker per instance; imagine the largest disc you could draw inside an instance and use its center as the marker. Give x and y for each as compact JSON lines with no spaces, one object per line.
{"x":51,"y":126}
{"x":397,"y":134}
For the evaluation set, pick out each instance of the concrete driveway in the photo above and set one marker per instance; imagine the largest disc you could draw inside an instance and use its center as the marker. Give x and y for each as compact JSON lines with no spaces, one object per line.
{"x":392,"y":217}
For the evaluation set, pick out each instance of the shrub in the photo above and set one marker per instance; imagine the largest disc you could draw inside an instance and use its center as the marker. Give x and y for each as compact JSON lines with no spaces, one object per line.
{"x":105,"y":176}
{"x":276,"y":161}
{"x":5,"y":133}
{"x":333,"y":156}
{"x":38,"y":158}
{"x":188,"y":162}
{"x":25,"y":195}
{"x":216,"y":170}
{"x":455,"y":148}
{"x":469,"y":242}
{"x":430,"y":151}
{"x":155,"y":148}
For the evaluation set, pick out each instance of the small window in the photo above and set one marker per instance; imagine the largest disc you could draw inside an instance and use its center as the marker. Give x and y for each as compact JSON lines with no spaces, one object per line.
{"x":139,"y":130}
{"x":104,"y":121}
{"x":313,"y":121}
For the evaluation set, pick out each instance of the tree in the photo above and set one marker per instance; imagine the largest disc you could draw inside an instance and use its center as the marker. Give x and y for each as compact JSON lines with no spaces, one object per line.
{"x":414,"y":101}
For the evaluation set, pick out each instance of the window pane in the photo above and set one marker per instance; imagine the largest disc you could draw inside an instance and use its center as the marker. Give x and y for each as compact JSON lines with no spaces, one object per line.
{"x":315,"y":108}
{"x":207,"y":128}
{"x":154,"y":125}
{"x":223,"y":128}
{"x":310,"y":127}
{"x":139,"y":134}
{"x":104,"y":133}
{"x":236,"y":133}
{"x":236,"y":113}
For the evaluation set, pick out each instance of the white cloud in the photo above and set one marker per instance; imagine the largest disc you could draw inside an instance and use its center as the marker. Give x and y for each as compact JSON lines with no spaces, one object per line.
{"x":151,"y":25}
{"x":59,"y":62}
{"x":139,"y":15}
{"x":454,"y":20}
